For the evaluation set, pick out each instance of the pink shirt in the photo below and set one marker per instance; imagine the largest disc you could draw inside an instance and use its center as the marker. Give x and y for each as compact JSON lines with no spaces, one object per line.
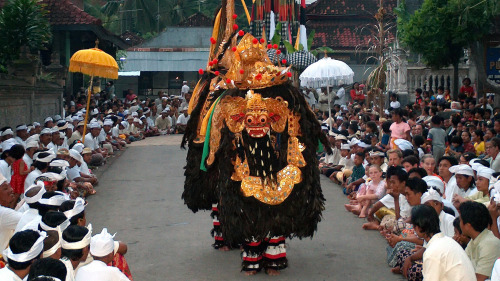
{"x":398,"y":131}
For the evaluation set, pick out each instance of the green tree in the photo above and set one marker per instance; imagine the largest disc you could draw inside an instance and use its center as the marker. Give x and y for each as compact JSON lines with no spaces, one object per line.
{"x":22,"y":25}
{"x":441,"y":29}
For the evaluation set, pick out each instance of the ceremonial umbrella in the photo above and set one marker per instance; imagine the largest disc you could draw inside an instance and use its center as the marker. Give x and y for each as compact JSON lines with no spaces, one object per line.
{"x":327,"y":72}
{"x":93,"y":62}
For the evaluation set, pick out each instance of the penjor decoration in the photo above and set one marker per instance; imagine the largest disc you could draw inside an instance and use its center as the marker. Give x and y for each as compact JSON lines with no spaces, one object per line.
{"x":252,"y":142}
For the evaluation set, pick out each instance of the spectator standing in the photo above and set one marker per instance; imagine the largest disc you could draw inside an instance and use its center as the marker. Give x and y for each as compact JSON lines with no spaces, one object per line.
{"x":184,"y":89}
{"x":437,"y":138}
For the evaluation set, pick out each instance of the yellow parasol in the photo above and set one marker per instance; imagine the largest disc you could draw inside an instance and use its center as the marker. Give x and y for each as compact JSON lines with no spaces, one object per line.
{"x":93,"y":62}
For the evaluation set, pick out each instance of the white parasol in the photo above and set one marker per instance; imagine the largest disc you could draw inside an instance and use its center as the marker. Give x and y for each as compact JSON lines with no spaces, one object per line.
{"x":326,"y":72}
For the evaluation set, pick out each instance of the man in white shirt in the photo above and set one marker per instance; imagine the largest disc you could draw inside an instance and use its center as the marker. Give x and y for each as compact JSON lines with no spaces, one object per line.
{"x":182,"y":121}
{"x":22,"y":134}
{"x":92,"y":142}
{"x":24,"y":248}
{"x":101,"y":249}
{"x":31,"y":148}
{"x":184,"y":89}
{"x":8,"y":217}
{"x":433,"y":199}
{"x":444,"y":259}
{"x":340,"y":97}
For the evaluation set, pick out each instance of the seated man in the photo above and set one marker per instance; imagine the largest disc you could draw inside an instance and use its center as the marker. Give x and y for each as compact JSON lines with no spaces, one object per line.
{"x":484,"y":248}
{"x":164,"y":123}
{"x":91,"y":140}
{"x":182,"y":121}
{"x":101,"y":249}
{"x":8,"y":217}
{"x":25,"y":247}
{"x":75,"y":248}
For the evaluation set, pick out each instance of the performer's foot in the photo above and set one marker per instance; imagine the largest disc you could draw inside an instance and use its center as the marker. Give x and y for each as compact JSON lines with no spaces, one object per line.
{"x":250,"y":273}
{"x":272,"y":272}
{"x":224,"y":248}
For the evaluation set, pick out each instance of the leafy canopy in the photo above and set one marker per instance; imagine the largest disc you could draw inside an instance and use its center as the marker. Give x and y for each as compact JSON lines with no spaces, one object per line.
{"x":440,"y":29}
{"x":22,"y":23}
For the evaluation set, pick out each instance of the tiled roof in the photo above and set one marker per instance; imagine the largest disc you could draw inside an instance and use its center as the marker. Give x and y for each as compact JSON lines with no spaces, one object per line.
{"x":340,"y":35}
{"x":197,"y":19}
{"x":64,"y":12}
{"x":132,"y":38}
{"x":348,"y":7}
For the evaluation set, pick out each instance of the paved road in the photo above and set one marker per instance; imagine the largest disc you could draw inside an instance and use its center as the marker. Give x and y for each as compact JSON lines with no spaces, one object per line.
{"x":139,"y":197}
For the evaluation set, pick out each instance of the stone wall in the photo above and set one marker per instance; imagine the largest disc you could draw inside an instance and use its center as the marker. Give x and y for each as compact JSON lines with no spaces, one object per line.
{"x":25,"y":101}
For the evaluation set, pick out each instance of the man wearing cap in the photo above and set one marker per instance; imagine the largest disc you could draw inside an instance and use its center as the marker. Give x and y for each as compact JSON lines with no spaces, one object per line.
{"x":104,"y":135}
{"x":25,"y":247}
{"x":74,"y":171}
{"x":46,"y":138}
{"x":378,"y":158}
{"x":101,"y":249}
{"x":182,"y":121}
{"x":22,"y":134}
{"x":184,"y":89}
{"x":77,"y":134}
{"x":163,"y":122}
{"x":464,"y":185}
{"x":38,"y":128}
{"x":31,"y":148}
{"x":91,"y":141}
{"x":48,"y":123}
{"x":433,"y":198}
{"x":483,"y":176}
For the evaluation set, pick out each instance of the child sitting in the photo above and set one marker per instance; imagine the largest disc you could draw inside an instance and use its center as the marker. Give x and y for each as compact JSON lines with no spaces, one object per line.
{"x":368,"y":192}
{"x":356,"y":178}
{"x":344,"y":169}
{"x":456,"y":149}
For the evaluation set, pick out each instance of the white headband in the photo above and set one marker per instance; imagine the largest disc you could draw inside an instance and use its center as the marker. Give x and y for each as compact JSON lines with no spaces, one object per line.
{"x":55,"y":200}
{"x":431,"y":194}
{"x":77,"y":208}
{"x":22,"y":127}
{"x":80,"y":244}
{"x":34,"y":252}
{"x":52,"y":250}
{"x":50,"y":277}
{"x":37,"y":196}
{"x":60,"y":228}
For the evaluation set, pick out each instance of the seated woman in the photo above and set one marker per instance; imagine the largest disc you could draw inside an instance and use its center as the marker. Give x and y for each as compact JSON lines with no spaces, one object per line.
{"x":373,"y":190}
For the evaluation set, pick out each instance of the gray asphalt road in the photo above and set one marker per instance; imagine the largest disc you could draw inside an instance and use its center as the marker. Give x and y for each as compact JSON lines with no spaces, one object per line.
{"x":139,"y":197}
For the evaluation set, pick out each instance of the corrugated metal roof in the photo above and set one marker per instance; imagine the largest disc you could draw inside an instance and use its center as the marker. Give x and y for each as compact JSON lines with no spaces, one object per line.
{"x":165,"y":61}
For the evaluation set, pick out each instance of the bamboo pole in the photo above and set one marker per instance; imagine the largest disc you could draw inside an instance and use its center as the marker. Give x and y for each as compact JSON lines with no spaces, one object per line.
{"x":88,"y":107}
